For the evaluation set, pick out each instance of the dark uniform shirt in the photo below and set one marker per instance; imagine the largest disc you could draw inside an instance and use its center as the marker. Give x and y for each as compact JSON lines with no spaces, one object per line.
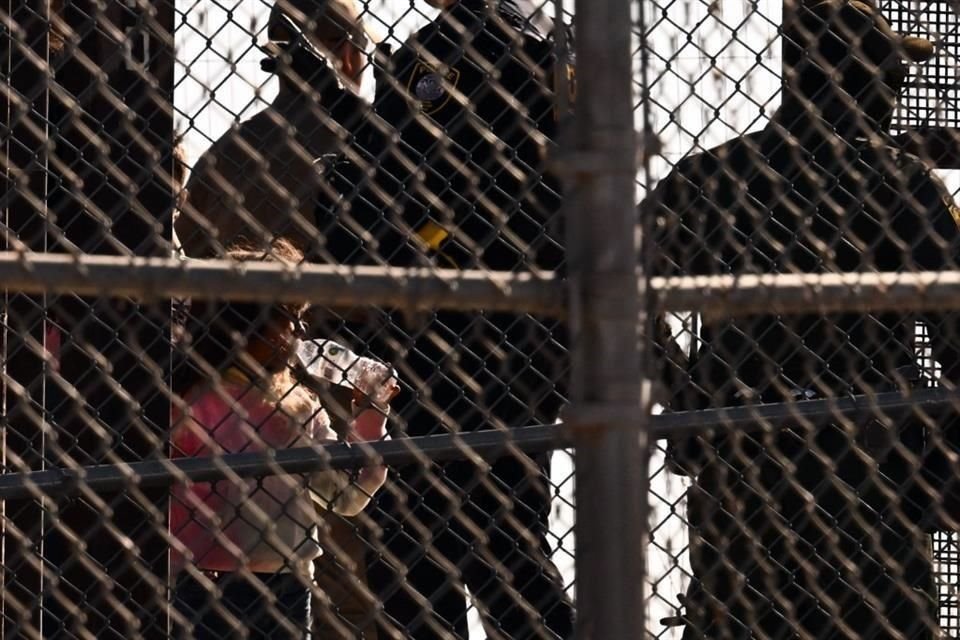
{"x":463,"y":186}
{"x":477,"y":116}
{"x":808,"y":529}
{"x":759,"y":205}
{"x":258,"y":180}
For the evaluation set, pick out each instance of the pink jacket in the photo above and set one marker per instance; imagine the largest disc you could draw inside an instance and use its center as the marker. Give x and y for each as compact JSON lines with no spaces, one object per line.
{"x":268,"y":524}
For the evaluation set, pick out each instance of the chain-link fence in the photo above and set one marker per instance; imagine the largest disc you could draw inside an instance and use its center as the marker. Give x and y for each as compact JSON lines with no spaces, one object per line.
{"x":822,"y":519}
{"x":186,"y":457}
{"x":313,"y":307}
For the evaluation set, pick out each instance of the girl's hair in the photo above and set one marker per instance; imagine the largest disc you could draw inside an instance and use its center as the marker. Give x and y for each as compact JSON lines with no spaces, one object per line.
{"x":181,"y":168}
{"x":211,"y":336}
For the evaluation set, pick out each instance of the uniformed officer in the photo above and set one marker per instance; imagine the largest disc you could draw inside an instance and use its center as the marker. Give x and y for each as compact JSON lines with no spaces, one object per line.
{"x":807,"y":529}
{"x":258,"y":181}
{"x":472,"y":95}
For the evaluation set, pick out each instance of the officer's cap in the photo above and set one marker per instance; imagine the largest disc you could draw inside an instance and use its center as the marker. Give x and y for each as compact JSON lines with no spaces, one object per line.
{"x":324,"y":20}
{"x":863,"y":26}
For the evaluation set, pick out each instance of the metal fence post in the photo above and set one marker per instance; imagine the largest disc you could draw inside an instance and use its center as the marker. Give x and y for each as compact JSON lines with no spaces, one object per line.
{"x":609,"y":425}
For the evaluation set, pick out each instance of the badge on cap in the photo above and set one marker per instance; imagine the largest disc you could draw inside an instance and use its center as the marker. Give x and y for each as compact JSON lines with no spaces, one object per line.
{"x":431,"y":87}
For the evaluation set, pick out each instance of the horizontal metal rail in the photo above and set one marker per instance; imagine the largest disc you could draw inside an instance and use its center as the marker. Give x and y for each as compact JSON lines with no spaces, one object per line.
{"x":778,"y":415}
{"x":425,"y":289}
{"x":328,"y":285}
{"x":809,"y":293}
{"x":485,"y":445}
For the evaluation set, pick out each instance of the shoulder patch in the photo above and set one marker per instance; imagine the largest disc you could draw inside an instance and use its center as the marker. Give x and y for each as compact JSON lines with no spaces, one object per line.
{"x":431,"y":87}
{"x":953,"y":209}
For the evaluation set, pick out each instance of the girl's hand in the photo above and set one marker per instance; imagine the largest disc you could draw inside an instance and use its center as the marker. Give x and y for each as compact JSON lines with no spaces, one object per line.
{"x":369,"y":425}
{"x":376,"y":385}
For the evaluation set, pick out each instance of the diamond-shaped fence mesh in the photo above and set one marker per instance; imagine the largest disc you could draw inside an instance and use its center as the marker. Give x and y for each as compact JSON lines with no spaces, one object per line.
{"x":780,"y":160}
{"x":316,"y":311}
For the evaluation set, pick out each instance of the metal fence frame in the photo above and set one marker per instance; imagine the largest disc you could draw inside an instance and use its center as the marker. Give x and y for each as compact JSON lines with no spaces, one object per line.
{"x":605,"y":298}
{"x":604,"y":309}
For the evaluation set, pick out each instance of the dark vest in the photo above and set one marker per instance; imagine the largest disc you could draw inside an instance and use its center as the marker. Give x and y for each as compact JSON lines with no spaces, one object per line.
{"x":470,"y":94}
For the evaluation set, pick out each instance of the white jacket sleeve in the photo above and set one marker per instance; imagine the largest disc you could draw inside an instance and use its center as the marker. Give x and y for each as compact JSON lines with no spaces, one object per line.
{"x":333,"y":489}
{"x":337,"y":490}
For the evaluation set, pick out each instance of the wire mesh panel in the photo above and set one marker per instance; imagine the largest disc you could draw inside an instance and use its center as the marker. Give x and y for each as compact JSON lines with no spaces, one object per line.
{"x":87,"y":167}
{"x":810,"y":509}
{"x":930,"y":98}
{"x":297,"y":295}
{"x":207,"y":465}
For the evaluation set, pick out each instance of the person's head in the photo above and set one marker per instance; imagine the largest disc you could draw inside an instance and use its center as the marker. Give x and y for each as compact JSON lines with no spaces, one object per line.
{"x":844,"y":62}
{"x":256,"y":338}
{"x":332,"y":28}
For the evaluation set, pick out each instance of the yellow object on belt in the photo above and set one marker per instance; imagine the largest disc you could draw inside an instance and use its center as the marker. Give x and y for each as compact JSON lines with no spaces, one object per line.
{"x":433,"y":234}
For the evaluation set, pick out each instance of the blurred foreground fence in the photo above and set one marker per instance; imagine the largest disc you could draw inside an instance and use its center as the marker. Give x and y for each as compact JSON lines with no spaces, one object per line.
{"x":710,"y":280}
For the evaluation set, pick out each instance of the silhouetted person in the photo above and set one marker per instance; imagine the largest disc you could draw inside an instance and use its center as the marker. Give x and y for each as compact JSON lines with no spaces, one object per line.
{"x":807,"y":529}
{"x":258,"y":180}
{"x":465,"y":187}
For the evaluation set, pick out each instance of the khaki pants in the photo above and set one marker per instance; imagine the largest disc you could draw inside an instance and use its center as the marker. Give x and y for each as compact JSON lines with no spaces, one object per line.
{"x":348,"y":608}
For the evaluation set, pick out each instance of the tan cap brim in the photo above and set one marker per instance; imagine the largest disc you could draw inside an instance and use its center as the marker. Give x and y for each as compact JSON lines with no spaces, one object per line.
{"x":912,"y":48}
{"x":917,"y":49}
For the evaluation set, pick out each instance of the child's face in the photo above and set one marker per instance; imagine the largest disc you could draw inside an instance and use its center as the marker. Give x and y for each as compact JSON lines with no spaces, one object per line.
{"x":272,"y":346}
